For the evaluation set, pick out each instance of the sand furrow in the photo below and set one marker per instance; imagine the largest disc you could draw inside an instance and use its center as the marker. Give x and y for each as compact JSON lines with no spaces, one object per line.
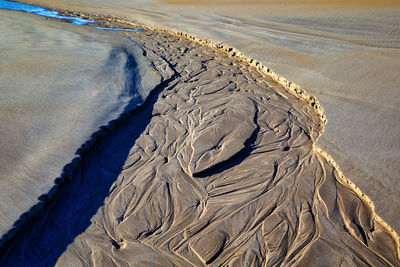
{"x":220,"y":171}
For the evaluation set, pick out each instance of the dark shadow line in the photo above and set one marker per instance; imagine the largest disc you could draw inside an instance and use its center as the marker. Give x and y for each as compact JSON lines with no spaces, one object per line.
{"x":237,"y":158}
{"x":45,"y":232}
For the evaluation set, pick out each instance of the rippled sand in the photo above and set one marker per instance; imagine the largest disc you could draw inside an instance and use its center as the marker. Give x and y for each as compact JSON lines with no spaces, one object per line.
{"x":218,"y":167}
{"x":58,"y":85}
{"x":344,"y":52}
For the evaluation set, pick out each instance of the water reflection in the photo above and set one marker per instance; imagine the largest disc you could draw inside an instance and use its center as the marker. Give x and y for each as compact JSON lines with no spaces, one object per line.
{"x":9,"y":5}
{"x":40,"y":11}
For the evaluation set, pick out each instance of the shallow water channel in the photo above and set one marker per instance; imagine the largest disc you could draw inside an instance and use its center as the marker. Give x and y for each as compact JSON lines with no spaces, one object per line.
{"x":9,"y":5}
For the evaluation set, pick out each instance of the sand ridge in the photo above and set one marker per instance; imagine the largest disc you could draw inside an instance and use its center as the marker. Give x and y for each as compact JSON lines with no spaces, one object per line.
{"x":296,"y":90}
{"x":203,"y":173}
{"x":347,"y":56}
{"x":310,"y":100}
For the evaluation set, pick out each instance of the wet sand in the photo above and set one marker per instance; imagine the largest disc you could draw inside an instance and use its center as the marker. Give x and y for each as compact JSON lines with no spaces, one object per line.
{"x":346,"y":53}
{"x":218,"y":167}
{"x":59,"y":84}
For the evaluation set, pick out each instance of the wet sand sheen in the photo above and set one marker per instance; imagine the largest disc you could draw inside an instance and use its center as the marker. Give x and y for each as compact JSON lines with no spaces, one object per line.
{"x":222,"y":170}
{"x":345,"y":54}
{"x":59,"y":84}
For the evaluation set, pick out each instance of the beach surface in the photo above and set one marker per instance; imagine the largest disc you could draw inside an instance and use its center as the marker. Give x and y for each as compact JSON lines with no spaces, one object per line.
{"x":59,"y":84}
{"x":205,"y":157}
{"x":346,"y":53}
{"x":217,"y":167}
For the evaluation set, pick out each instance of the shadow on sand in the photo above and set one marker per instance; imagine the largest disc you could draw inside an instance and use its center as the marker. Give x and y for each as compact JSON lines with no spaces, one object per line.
{"x":45,"y":236}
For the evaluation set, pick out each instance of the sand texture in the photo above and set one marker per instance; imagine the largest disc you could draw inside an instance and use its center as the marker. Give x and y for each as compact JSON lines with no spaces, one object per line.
{"x":58,"y":85}
{"x":218,"y":167}
{"x":346,"y":53}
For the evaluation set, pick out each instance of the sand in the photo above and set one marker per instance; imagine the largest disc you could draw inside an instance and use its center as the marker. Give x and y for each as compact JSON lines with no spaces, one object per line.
{"x":217,"y":167}
{"x":346,"y":53}
{"x":221,"y":165}
{"x":59,"y":84}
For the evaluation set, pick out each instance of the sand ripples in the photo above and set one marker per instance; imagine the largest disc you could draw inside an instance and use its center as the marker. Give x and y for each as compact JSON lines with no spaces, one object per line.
{"x":224,"y":172}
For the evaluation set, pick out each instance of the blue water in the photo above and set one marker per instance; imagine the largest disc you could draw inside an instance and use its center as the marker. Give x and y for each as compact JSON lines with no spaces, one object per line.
{"x":9,"y":5}
{"x":40,"y":11}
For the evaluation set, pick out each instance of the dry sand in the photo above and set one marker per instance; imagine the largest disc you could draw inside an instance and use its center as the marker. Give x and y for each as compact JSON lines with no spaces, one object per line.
{"x":218,"y":167}
{"x":344,"y":52}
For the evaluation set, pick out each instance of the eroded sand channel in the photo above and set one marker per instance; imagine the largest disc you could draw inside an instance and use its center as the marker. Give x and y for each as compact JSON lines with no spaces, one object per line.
{"x":58,"y":84}
{"x":220,"y":170}
{"x":346,"y":53}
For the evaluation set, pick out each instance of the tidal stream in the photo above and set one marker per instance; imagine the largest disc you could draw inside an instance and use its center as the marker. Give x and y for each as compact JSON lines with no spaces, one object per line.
{"x":9,"y":5}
